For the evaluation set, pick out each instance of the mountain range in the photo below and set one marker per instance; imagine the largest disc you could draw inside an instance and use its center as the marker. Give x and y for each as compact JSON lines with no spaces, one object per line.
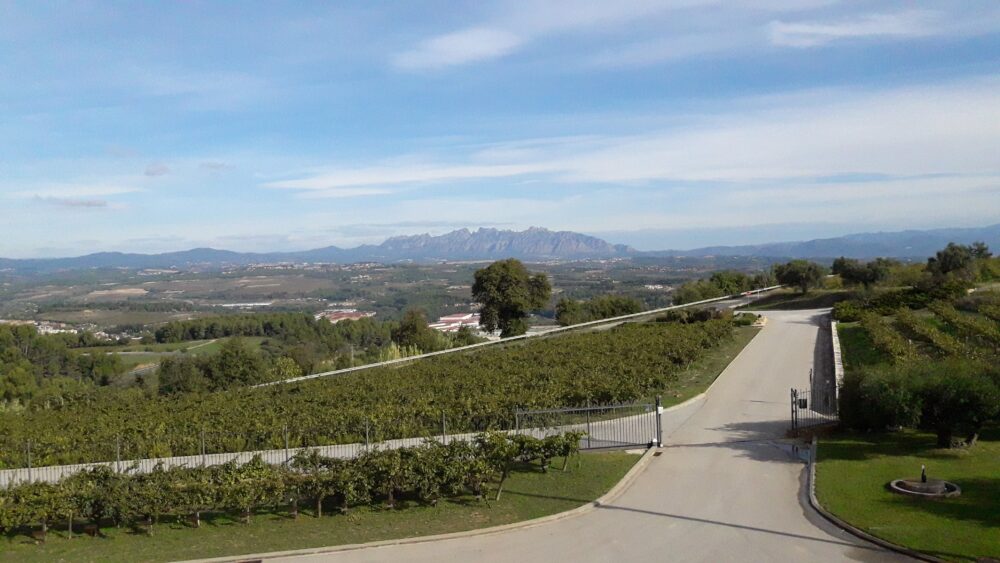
{"x":532,"y":244}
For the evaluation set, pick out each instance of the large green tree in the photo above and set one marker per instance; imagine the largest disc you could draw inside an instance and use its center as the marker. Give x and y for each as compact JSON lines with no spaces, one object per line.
{"x":508,"y":292}
{"x":802,"y":274}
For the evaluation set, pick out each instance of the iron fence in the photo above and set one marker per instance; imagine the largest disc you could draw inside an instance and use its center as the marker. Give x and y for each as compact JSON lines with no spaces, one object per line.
{"x":604,"y":426}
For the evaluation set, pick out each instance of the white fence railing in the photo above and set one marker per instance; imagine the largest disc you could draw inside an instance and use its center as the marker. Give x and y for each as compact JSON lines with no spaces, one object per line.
{"x":838,"y":361}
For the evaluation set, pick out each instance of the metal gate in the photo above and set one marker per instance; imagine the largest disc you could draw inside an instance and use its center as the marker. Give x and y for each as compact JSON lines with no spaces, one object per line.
{"x":604,"y":426}
{"x":808,"y":412}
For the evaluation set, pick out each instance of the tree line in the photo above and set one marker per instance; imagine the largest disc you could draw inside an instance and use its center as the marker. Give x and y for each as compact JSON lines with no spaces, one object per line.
{"x":42,"y":369}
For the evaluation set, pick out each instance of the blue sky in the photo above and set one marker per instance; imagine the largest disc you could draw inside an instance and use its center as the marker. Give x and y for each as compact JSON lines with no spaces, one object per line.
{"x":289,"y":125}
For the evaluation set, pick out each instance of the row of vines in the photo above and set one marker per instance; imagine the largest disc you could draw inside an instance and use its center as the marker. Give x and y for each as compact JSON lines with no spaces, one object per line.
{"x":472,"y":391}
{"x":933,"y":371}
{"x":423,"y":474}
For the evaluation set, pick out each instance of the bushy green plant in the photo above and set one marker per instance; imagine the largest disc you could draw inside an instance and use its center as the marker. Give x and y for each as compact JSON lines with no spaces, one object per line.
{"x":848,"y":311}
{"x":879,"y":400}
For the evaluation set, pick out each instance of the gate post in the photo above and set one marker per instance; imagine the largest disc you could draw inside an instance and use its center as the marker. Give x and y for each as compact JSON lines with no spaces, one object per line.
{"x":659,"y":423}
{"x":795,"y":423}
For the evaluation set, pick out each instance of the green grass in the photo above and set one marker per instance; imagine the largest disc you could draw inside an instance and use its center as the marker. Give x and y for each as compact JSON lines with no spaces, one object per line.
{"x":700,"y":374}
{"x":528,"y":494}
{"x":787,"y":299}
{"x":851,"y":482}
{"x":857,"y":348}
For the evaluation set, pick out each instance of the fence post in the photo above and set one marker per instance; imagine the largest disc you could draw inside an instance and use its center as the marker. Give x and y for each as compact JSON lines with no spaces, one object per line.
{"x":588,"y":425}
{"x":795,"y":425}
{"x":367,"y":439}
{"x":118,"y":453}
{"x":659,"y":422}
{"x":444,"y":429}
{"x":517,"y":421}
{"x":285,"y":431}
{"x":28,"y":450}
{"x":203,"y":447}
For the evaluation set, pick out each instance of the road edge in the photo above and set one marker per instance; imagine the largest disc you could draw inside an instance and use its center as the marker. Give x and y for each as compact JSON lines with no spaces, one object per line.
{"x":604,"y":499}
{"x":815,"y":505}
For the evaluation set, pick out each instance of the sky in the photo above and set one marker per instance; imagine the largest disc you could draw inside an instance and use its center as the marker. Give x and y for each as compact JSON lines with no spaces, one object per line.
{"x":265,"y":126}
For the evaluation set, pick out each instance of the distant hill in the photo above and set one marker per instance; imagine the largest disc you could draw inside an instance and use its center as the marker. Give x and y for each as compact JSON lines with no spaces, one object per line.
{"x":482,"y":244}
{"x":532,"y":244}
{"x":900,"y":244}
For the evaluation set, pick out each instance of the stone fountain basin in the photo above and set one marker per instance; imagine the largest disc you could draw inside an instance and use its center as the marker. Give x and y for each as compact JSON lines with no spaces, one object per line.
{"x":933,"y":488}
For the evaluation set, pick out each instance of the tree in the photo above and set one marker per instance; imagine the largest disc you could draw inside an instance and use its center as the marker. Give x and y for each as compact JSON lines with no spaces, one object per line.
{"x":508,"y":293}
{"x":570,"y":311}
{"x":958,"y":396}
{"x":980,"y":251}
{"x":730,"y":282}
{"x":853,"y":272}
{"x":802,"y":274}
{"x":413,"y":331}
{"x":954,"y":259}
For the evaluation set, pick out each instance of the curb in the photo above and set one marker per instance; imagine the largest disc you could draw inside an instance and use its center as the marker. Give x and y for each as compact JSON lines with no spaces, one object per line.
{"x":814,"y":503}
{"x":606,"y":498}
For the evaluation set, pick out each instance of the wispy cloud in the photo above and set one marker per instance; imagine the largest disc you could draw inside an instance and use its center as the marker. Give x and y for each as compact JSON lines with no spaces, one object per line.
{"x":76,"y":191}
{"x":913,"y":23}
{"x":460,"y":47}
{"x":352,"y":182}
{"x":157,"y":169}
{"x":898,"y":132}
{"x":72,"y":203}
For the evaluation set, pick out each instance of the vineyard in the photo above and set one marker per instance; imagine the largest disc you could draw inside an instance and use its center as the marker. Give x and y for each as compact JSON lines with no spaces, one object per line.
{"x":946,"y":333}
{"x":933,"y":369}
{"x":473,"y":391}
{"x":424,"y":474}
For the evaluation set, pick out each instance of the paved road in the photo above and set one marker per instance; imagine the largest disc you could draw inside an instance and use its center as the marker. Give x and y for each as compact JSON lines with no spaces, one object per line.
{"x":726,"y":487}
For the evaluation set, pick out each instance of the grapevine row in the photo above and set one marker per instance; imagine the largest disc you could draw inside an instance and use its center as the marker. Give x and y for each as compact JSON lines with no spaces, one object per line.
{"x":424,"y":473}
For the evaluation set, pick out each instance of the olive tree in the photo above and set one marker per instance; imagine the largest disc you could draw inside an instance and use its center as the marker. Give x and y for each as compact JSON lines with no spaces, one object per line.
{"x":508,"y":292}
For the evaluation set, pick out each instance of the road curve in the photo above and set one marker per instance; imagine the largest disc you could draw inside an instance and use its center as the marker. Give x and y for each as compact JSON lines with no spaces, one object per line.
{"x":726,"y":487}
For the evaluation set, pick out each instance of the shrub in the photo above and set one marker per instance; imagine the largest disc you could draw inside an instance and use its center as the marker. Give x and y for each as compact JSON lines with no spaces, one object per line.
{"x":848,"y":311}
{"x":878,"y":400}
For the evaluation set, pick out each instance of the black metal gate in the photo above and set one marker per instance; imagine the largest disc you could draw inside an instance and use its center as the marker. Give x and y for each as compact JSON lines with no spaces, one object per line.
{"x":605,"y":426}
{"x":808,"y":412}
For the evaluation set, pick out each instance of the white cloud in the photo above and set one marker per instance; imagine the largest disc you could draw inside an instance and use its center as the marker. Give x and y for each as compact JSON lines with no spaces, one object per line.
{"x":344,"y":183}
{"x":908,"y":132}
{"x":460,"y":47}
{"x":74,"y":191}
{"x":914,"y":23}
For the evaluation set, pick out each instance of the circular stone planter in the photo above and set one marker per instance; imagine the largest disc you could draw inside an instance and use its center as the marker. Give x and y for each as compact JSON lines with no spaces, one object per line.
{"x":932,"y":488}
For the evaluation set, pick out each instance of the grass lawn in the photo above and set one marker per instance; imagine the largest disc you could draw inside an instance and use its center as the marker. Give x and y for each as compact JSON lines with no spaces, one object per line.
{"x":700,"y":374}
{"x":851,"y":482}
{"x":857,"y":348}
{"x":528,"y":493}
{"x":787,"y":299}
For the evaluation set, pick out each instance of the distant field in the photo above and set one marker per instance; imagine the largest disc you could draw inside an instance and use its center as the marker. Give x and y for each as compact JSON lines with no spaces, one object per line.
{"x":111,"y":317}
